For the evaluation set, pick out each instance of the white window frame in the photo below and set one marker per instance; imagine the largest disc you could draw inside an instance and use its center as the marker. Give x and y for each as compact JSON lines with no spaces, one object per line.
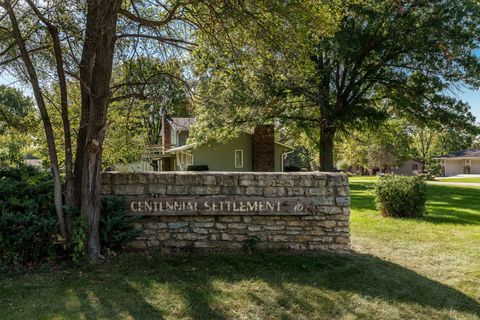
{"x":186,"y":156}
{"x":241,"y":158}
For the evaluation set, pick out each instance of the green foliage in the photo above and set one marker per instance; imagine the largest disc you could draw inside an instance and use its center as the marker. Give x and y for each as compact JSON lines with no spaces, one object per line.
{"x":78,"y":245}
{"x":28,"y":224}
{"x":17,"y":121}
{"x":370,"y":61}
{"x":199,"y":167}
{"x":378,"y":147}
{"x":250,"y":245}
{"x":15,"y":109}
{"x":401,"y":196}
{"x":116,"y":229}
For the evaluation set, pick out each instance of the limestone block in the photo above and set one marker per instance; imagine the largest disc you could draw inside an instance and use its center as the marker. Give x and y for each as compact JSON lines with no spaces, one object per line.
{"x":274,"y":228}
{"x":105,"y":178}
{"x":202,"y":224}
{"x":239,"y":226}
{"x":231,"y":190}
{"x":316,"y":192}
{"x":342,"y":240}
{"x":162,"y":236}
{"x":306,"y":181}
{"x":328,"y":209}
{"x":157,"y":189}
{"x":126,"y":189}
{"x":229,"y":219}
{"x":246,"y":180}
{"x":105,"y":189}
{"x":209,"y":180}
{"x":254,"y":191}
{"x":177,"y":225}
{"x":274,"y":192}
{"x":343,"y":201}
{"x":227,"y":180}
{"x":178,"y":190}
{"x":155,"y":225}
{"x":324,"y":201}
{"x":163,"y":178}
{"x":278,"y":237}
{"x":339,"y":217}
{"x":327,"y":223}
{"x":254,"y":228}
{"x":184,"y":179}
{"x":295,"y":191}
{"x":192,"y":236}
{"x":220,"y":226}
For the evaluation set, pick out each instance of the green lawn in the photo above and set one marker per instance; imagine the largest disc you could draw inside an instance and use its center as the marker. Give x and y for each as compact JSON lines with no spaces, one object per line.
{"x":401,"y":269}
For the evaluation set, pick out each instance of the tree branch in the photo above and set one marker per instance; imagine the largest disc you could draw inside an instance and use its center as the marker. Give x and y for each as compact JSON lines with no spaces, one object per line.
{"x":152,"y":23}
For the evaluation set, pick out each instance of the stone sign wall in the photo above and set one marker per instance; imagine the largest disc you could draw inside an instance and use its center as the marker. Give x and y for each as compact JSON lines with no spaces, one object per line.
{"x":225,"y":211}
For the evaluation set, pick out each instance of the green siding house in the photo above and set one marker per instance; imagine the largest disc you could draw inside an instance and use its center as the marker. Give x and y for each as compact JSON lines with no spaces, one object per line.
{"x":256,"y":151}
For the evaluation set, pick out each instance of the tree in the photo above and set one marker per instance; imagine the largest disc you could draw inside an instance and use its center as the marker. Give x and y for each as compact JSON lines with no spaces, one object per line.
{"x":379,"y":147}
{"x":81,"y":41}
{"x":383,"y":58}
{"x":17,"y":118}
{"x":431,"y":142}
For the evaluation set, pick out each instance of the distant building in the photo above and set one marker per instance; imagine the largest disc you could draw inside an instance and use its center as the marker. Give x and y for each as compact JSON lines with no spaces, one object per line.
{"x":460,"y":162}
{"x":409,"y":168}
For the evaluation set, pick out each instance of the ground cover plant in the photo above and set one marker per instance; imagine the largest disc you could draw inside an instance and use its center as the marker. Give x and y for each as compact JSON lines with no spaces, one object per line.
{"x":425,"y":268}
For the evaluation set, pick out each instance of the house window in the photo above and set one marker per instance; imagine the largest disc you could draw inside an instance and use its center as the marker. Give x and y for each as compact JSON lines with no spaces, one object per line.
{"x":238,"y":158}
{"x":414,"y":167}
{"x":188,"y":159}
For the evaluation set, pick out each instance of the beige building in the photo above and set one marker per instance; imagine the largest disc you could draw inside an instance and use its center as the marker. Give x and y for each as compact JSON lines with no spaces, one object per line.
{"x":460,"y":162}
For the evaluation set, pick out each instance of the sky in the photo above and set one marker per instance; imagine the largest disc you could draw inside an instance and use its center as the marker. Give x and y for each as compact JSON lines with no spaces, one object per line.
{"x":473,"y":99}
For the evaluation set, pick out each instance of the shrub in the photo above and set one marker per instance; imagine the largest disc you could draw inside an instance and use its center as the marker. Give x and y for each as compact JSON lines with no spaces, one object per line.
{"x":116,"y":229}
{"x":401,"y":196}
{"x":28,"y":223}
{"x":197,"y":167}
{"x":291,"y":169}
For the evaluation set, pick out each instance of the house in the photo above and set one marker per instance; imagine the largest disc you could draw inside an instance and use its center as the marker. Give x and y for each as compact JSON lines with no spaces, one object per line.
{"x":248,"y":151}
{"x":460,"y":162}
{"x":410,"y":167}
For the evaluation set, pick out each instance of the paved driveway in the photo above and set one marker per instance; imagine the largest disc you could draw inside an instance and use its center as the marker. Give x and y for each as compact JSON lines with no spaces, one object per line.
{"x":464,"y":184}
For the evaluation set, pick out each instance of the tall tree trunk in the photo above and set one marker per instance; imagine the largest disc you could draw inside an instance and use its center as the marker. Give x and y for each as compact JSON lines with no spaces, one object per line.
{"x":62,"y":81}
{"x":102,"y":18}
{"x":327,"y":135}
{"x":37,"y":92}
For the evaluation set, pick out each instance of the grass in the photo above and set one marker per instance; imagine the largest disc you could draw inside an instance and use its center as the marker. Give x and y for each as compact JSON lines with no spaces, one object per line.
{"x":469,"y":180}
{"x":425,"y":268}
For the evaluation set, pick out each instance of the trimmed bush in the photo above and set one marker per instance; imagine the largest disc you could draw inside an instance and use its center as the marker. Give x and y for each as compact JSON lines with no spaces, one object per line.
{"x":291,"y":169}
{"x":199,"y":167}
{"x":401,"y":196}
{"x":28,"y":223}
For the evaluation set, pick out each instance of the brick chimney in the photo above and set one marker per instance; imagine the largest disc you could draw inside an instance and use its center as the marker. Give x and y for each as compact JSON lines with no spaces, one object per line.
{"x":263,"y":148}
{"x":166,"y":142}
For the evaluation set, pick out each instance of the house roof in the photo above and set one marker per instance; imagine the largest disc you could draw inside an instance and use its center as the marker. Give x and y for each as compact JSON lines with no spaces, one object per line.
{"x":181,"y":148}
{"x":193,"y":145}
{"x":467,"y":153}
{"x":182,"y":124}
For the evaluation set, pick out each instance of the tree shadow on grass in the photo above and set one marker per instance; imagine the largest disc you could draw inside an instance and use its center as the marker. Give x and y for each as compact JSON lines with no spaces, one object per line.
{"x":445,"y":204}
{"x":306,"y":284}
{"x":453,"y":204}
